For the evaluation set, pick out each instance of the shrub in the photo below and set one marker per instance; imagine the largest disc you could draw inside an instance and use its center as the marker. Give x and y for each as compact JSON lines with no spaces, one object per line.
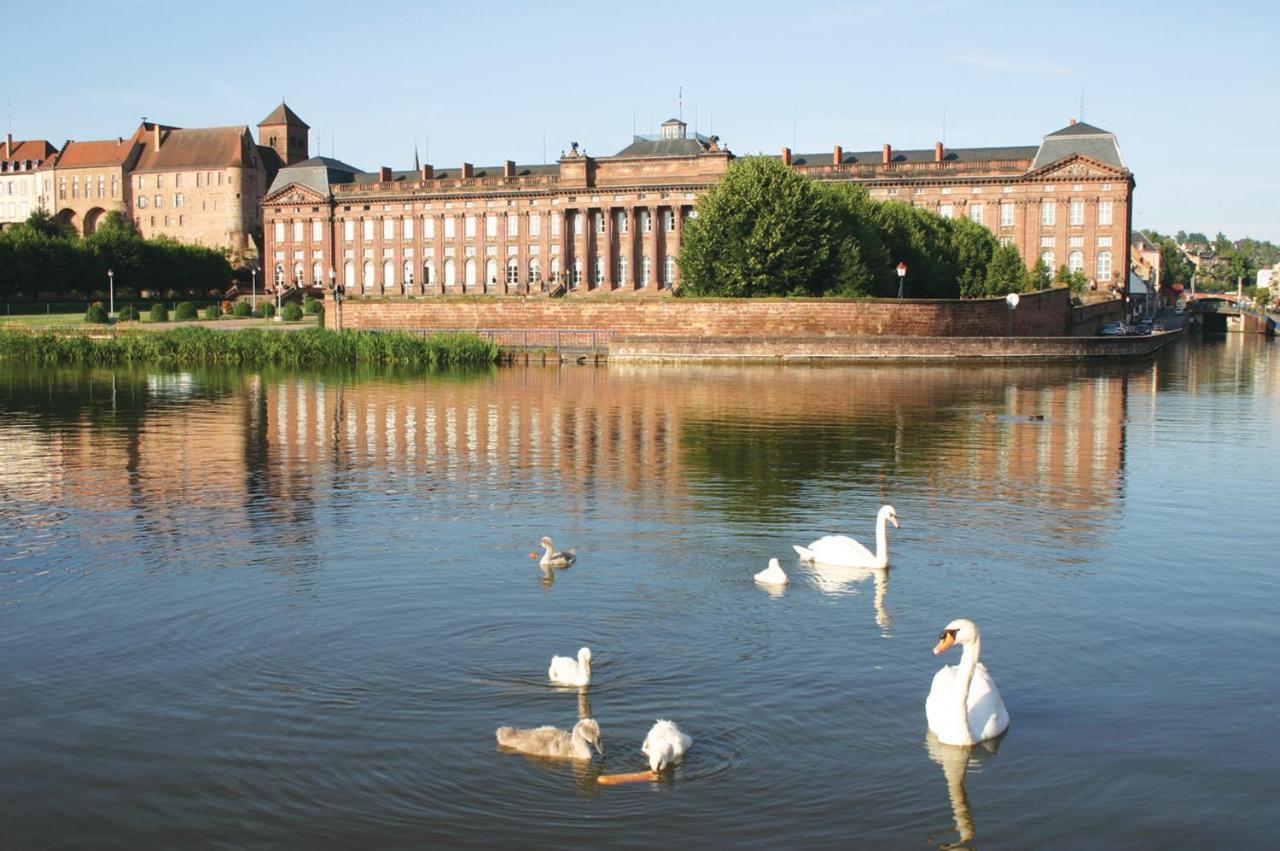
{"x":128,"y":313}
{"x":212,"y":313}
{"x":242,"y":310}
{"x":185,"y":311}
{"x":96,"y":313}
{"x":159,"y":313}
{"x":265,"y":310}
{"x":319,"y":313}
{"x":292,"y":312}
{"x":312,"y":305}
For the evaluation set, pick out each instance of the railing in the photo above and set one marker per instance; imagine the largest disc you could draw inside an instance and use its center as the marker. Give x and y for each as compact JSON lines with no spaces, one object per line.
{"x":452,"y":183}
{"x":568,"y":341}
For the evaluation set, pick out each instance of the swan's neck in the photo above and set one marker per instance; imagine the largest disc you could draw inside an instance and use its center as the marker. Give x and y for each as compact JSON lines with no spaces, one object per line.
{"x":579,"y":744}
{"x":584,"y":665}
{"x":882,"y":541}
{"x":964,"y":678}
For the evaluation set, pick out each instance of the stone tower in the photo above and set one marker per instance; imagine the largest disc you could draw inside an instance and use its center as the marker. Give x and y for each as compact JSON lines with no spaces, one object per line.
{"x":284,"y":131}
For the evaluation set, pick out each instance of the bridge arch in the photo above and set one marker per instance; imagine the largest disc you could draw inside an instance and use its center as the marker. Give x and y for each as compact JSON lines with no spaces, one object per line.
{"x":91,"y":220}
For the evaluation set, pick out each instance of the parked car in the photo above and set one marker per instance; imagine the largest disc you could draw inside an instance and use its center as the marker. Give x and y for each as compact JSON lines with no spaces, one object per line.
{"x":1112,"y":329}
{"x":1179,"y":308}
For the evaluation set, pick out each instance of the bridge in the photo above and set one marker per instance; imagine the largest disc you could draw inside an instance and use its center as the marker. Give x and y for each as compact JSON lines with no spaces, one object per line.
{"x":1220,"y":314}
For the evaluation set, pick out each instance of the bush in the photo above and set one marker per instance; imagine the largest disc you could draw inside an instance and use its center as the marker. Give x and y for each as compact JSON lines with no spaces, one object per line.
{"x":159,"y":313}
{"x":319,"y":312}
{"x":265,"y":310}
{"x":96,"y":313}
{"x":128,"y":313}
{"x":292,"y":312}
{"x":312,"y":305}
{"x":185,"y":311}
{"x":242,"y":310}
{"x":212,"y":313}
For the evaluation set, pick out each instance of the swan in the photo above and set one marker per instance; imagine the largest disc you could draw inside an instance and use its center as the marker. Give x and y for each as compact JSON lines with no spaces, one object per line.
{"x":553,"y":742}
{"x":665,"y":744}
{"x":567,"y":671}
{"x":843,"y":551}
{"x":964,"y":707}
{"x":551,"y":557}
{"x":772,"y":575}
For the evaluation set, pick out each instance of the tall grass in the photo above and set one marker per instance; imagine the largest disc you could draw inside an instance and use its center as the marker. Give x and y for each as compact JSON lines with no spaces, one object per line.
{"x":195,"y":346}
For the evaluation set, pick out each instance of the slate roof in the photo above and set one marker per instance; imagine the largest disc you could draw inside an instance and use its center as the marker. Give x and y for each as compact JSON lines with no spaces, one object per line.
{"x":642,"y":147}
{"x":1079,"y":138}
{"x":925,"y":155}
{"x":33,"y":150}
{"x":317,"y":174}
{"x":282,"y":114}
{"x":205,"y":147}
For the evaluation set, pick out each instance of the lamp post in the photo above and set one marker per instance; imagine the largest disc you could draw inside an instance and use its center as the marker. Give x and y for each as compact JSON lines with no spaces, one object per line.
{"x":338,"y":292}
{"x":1012,"y":300}
{"x":902,"y":276}
{"x":253,"y":298}
{"x":279,"y":287}
{"x":111,"y":293}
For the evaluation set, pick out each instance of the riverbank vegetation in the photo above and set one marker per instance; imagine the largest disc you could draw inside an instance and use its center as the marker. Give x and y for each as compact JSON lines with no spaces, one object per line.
{"x":764,"y":230}
{"x":39,"y":259}
{"x":194,"y":346}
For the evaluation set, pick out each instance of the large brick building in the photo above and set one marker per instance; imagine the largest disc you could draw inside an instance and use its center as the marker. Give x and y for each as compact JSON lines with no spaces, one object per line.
{"x":20,"y":189}
{"x":613,"y":223}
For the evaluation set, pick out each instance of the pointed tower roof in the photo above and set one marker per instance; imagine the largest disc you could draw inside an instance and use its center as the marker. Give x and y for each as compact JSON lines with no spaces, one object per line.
{"x":282,"y":114}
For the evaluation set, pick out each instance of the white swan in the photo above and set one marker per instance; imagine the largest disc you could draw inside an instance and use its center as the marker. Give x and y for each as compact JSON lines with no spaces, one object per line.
{"x":553,"y":742}
{"x":665,"y":744}
{"x":772,"y":575}
{"x":551,"y":557}
{"x":843,"y":551}
{"x":567,"y":671}
{"x":964,"y":707}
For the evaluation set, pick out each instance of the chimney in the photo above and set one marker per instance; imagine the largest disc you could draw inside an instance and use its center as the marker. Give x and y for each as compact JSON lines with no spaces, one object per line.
{"x":8,"y":145}
{"x":937,"y":152}
{"x":837,"y":156}
{"x":1071,"y":122}
{"x":384,"y":174}
{"x":428,"y":172}
{"x":886,"y":156}
{"x":155,"y":133}
{"x":468,"y":170}
{"x":786,"y":156}
{"x":509,"y":168}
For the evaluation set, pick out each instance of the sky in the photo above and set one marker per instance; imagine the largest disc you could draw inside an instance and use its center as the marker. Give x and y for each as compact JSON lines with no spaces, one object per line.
{"x":1188,"y":89}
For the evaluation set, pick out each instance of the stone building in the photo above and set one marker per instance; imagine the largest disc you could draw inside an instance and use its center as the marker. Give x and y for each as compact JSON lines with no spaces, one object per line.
{"x":20,"y":188}
{"x":87,"y":180}
{"x":612,"y":224}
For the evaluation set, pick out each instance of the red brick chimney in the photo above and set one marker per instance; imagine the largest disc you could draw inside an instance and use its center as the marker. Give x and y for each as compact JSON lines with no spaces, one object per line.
{"x":468,"y":170}
{"x":384,"y":174}
{"x":837,"y":156}
{"x":428,"y":172}
{"x":886,"y":155}
{"x":937,"y":152}
{"x":155,"y":132}
{"x":509,"y":168}
{"x":786,"y":156}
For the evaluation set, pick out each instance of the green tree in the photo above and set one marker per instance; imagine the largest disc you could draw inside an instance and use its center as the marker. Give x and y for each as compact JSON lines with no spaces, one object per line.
{"x":1006,"y":273}
{"x":1041,"y":277}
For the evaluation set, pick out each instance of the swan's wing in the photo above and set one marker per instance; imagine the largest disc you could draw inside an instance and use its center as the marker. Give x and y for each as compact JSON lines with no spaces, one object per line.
{"x":563,"y":668}
{"x":988,"y":717}
{"x":840,"y":549}
{"x":939,"y":699}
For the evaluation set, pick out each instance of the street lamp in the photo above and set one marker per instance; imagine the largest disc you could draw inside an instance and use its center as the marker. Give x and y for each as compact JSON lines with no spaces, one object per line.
{"x":338,"y":292}
{"x":902,"y":276}
{"x":279,"y":287}
{"x":1012,"y":300}
{"x":253,"y":299}
{"x":111,"y":293}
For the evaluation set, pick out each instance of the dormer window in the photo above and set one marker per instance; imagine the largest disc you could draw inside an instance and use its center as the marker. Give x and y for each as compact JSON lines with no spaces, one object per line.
{"x":673,"y":128}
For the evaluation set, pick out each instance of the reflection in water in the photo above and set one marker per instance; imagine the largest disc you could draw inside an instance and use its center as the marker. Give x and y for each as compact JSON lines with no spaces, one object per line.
{"x":840,"y":581}
{"x":956,"y":761}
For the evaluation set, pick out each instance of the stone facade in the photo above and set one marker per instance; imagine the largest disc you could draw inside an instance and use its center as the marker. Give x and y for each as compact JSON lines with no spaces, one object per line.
{"x":597,"y":225}
{"x":20,"y":187}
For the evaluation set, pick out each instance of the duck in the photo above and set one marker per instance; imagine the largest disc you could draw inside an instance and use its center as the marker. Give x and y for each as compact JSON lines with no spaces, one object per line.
{"x":551,"y":557}
{"x":665,"y":745}
{"x":772,"y":575}
{"x":964,"y":706}
{"x":843,"y":551}
{"x":552,"y":742}
{"x":567,"y":671}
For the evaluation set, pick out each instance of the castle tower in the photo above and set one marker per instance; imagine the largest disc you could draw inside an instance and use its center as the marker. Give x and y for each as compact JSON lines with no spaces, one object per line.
{"x":284,"y":131}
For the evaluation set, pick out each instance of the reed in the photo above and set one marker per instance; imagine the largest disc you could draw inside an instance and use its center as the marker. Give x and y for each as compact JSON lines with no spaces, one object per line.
{"x":195,"y":346}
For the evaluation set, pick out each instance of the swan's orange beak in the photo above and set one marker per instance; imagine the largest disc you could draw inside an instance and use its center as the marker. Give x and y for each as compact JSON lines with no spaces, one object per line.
{"x":946,"y":641}
{"x":533,"y":555}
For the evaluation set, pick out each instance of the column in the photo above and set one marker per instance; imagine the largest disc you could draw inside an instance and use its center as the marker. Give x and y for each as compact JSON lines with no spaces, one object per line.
{"x":606,"y":250}
{"x":655,"y":252}
{"x":629,"y":240}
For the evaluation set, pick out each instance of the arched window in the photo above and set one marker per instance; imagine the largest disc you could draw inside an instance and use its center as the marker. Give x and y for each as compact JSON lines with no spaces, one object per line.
{"x":598,"y":278}
{"x":317,"y":274}
{"x":428,"y":276}
{"x":349,"y":276}
{"x":1047,"y":257}
{"x":554,"y":269}
{"x":469,"y":275}
{"x":490,"y":275}
{"x":388,"y":274}
{"x":408,"y":274}
{"x":535,"y":273}
{"x":622,"y":271}
{"x":1075,"y":261}
{"x":369,"y":282}
{"x":513,"y":271}
{"x":297,"y":275}
{"x":576,"y":278}
{"x":1104,"y":266}
{"x":669,"y":270}
{"x":450,"y":275}
{"x":279,"y":275}
{"x":646,"y":270}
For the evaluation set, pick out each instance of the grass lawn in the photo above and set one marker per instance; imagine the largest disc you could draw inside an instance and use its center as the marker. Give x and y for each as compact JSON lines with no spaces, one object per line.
{"x":44,"y":320}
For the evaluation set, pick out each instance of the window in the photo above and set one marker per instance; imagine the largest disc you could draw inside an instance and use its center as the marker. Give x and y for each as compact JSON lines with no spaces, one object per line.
{"x":575,"y":221}
{"x":75,"y":187}
{"x":450,"y":226}
{"x":490,"y":226}
{"x":535,"y":224}
{"x":408,"y":273}
{"x":100,"y":187}
{"x":554,"y":269}
{"x":179,"y":200}
{"x":555,"y":224}
{"x":1006,"y":215}
{"x":669,"y":220}
{"x":450,"y":274}
{"x":599,"y":222}
{"x":646,"y":222}
{"x":115,"y":186}
{"x":366,"y":230}
{"x":317,"y":274}
{"x":142,"y":205}
{"x":646,"y":270}
{"x":469,"y":223}
{"x":975,"y":213}
{"x":1047,"y":257}
{"x":177,"y":181}
{"x":1047,"y":213}
{"x":598,"y":277}
{"x":576,"y":277}
{"x":368,"y":281}
{"x":513,"y":225}
{"x":1075,"y":261}
{"x":406,"y":227}
{"x":535,"y":272}
{"x":623,"y":223}
{"x":513,"y":271}
{"x":947,"y":211}
{"x":1104,"y":242}
{"x":388,"y":228}
{"x":429,"y":227}
{"x":1104,"y":212}
{"x":1006,"y":240}
{"x":388,"y":274}
{"x":669,"y":270}
{"x":622,"y":271}
{"x":1075,"y":213}
{"x":348,"y":230}
{"x":142,"y":181}
{"x":1047,"y":242}
{"x":1104,"y":266}
{"x":159,"y":201}
{"x":317,"y":232}
{"x":297,"y":232}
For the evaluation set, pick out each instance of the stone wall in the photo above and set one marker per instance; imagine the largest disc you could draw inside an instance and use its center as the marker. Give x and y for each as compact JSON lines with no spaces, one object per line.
{"x":1042,"y":314}
{"x":1087,"y":320}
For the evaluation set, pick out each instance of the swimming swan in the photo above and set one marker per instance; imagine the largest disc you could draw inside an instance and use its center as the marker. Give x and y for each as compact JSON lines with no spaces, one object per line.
{"x":843,"y":551}
{"x":552,"y":557}
{"x":772,"y":575}
{"x":566,"y":671}
{"x":964,"y":707}
{"x":665,"y":744}
{"x":553,"y":742}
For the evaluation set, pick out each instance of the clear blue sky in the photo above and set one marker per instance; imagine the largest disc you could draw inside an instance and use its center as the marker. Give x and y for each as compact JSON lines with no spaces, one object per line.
{"x":1189,"y":89}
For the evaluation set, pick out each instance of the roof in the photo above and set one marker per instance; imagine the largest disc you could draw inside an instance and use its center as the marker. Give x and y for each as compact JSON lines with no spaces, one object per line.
{"x":211,"y":147}
{"x":282,"y":114}
{"x":34,"y":150}
{"x":1079,"y":138}
{"x":84,"y":154}
{"x":317,"y":174}
{"x":643,"y":147}
{"x":925,"y":155}
{"x":1139,"y":241}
